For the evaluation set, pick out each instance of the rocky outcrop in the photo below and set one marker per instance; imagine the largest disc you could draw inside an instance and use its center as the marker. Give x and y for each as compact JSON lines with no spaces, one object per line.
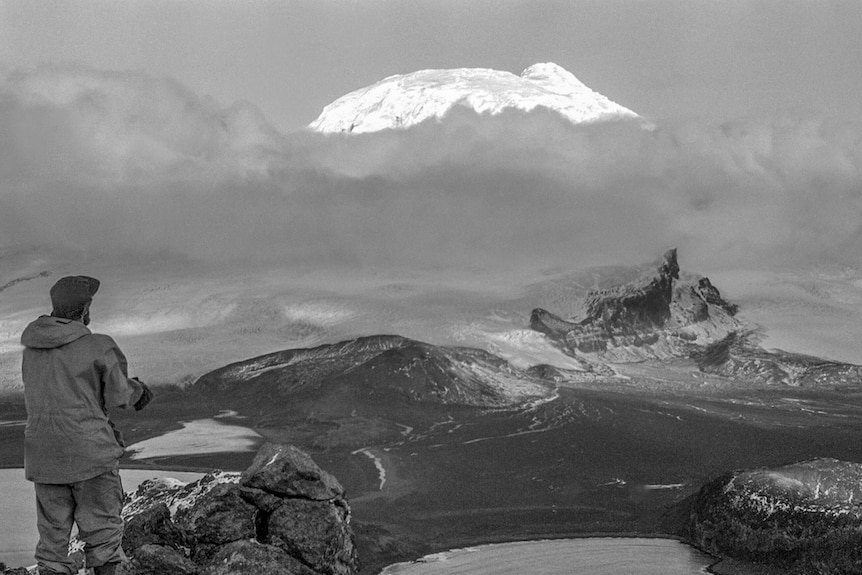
{"x":657,"y":316}
{"x":739,"y":357}
{"x":800,"y":518}
{"x":631,"y":308}
{"x":283,"y":515}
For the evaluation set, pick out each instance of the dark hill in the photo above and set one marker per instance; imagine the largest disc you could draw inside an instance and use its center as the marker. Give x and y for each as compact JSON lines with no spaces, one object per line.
{"x":795,"y":519}
{"x":380,"y":368}
{"x":349,"y":392}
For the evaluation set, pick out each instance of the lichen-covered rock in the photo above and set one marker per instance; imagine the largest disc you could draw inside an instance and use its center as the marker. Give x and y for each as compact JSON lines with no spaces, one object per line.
{"x":176,"y":495}
{"x":266,"y":502}
{"x":317,"y":532}
{"x":285,"y":470}
{"x":288,"y":518}
{"x":161,"y":560}
{"x":153,"y":526}
{"x":220,"y":516}
{"x":250,"y":557}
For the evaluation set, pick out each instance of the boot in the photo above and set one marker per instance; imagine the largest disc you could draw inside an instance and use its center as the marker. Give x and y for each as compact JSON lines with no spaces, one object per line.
{"x":106,"y":569}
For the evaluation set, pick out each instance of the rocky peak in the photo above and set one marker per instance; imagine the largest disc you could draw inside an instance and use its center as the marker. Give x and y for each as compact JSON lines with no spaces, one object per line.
{"x":656,"y":315}
{"x":635,"y":306}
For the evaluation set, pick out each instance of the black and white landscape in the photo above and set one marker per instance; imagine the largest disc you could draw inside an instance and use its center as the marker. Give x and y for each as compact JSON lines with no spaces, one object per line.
{"x":497,"y":300}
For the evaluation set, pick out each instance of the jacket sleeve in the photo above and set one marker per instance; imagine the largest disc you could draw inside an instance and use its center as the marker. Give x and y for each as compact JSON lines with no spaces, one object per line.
{"x":118,"y":390}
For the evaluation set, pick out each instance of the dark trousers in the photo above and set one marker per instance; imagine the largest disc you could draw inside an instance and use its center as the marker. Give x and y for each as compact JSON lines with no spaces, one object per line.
{"x":94,"y":505}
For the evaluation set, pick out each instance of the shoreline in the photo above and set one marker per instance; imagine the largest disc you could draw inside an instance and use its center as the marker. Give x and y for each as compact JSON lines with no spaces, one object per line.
{"x":708,"y":568}
{"x":479,"y":540}
{"x":731,"y":567}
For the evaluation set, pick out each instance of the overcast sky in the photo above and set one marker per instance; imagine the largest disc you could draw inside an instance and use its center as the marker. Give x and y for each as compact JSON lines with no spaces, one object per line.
{"x":708,"y":59}
{"x":175,"y":126}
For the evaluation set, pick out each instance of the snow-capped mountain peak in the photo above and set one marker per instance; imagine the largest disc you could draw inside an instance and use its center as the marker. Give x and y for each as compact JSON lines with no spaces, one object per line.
{"x":404,"y":100}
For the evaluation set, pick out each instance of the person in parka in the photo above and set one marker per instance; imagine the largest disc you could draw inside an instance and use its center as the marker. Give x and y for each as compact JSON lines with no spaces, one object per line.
{"x":72,"y":377}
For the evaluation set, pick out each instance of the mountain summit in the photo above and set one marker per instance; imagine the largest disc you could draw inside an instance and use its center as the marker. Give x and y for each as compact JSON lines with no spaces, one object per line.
{"x":403,"y":100}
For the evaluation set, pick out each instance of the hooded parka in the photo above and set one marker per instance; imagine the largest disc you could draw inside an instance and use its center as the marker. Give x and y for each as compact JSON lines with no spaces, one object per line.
{"x":71,"y":378}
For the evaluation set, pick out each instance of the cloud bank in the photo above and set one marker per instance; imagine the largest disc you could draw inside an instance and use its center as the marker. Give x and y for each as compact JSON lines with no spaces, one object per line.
{"x":120,"y":163}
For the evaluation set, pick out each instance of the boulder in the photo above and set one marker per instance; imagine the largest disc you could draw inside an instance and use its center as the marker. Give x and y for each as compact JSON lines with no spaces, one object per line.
{"x":160,"y":560}
{"x":250,"y":557}
{"x":220,"y":516}
{"x":153,"y":526}
{"x":800,"y":518}
{"x":287,"y":471}
{"x":266,"y":502}
{"x":317,"y":532}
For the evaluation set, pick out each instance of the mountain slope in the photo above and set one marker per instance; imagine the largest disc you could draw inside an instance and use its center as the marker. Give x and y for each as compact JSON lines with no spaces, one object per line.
{"x":404,"y":100}
{"x":390,"y":367}
{"x":354,"y":391}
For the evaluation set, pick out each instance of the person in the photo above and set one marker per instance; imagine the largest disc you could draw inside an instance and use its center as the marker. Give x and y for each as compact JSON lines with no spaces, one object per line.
{"x":72,"y":377}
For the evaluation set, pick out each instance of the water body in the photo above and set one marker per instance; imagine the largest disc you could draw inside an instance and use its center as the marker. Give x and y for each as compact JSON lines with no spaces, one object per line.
{"x":18,"y":535}
{"x":588,"y":556}
{"x":196,"y":438}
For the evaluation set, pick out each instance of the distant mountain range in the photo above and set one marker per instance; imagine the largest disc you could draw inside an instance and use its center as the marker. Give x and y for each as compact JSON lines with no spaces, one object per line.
{"x":661,"y":315}
{"x":405,"y":100}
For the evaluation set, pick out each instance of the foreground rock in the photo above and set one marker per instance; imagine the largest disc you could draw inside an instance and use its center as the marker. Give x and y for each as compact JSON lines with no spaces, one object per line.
{"x":797,"y":519}
{"x":283,"y":515}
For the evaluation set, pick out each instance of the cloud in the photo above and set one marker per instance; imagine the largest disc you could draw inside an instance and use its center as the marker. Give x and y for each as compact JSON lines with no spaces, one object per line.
{"x":99,"y":127}
{"x":119,"y":163}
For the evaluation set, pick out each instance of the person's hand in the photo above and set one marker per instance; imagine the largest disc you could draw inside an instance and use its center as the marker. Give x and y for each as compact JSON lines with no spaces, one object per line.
{"x":146,"y":396}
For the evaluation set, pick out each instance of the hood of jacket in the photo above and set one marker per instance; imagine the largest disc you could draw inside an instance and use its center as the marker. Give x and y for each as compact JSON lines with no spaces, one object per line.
{"x":48,"y":332}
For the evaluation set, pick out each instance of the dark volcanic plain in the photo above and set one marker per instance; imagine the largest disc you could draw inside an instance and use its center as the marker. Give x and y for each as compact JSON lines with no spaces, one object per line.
{"x":601,"y":458}
{"x":436,"y":452}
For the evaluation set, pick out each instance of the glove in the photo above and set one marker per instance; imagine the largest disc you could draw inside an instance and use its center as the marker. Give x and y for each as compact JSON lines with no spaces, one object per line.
{"x":146,"y":396}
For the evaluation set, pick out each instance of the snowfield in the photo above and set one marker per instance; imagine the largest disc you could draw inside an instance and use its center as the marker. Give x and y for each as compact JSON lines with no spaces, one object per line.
{"x":405,"y":100}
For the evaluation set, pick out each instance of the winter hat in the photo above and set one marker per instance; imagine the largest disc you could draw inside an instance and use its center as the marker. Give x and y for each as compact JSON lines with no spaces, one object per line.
{"x":72,"y":293}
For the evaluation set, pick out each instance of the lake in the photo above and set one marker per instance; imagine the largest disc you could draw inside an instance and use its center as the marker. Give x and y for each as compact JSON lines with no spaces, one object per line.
{"x":586,"y":556}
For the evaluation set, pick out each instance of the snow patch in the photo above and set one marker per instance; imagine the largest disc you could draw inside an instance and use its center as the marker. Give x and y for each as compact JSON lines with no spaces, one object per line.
{"x":401,"y":101}
{"x":381,"y":471}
